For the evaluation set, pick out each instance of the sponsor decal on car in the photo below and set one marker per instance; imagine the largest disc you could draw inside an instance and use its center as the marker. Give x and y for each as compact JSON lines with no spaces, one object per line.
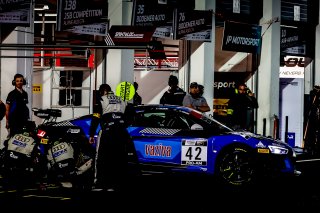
{"x":44,"y":141}
{"x":158,"y":150}
{"x":264,"y":151}
{"x":260,"y":145}
{"x":194,"y":151}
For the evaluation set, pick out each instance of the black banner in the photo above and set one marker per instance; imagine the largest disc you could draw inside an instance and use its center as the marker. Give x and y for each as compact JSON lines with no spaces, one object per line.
{"x":293,"y":41}
{"x":191,"y":21}
{"x":130,"y":35}
{"x":150,"y":13}
{"x":72,"y":13}
{"x":240,"y":37}
{"x":17,"y":12}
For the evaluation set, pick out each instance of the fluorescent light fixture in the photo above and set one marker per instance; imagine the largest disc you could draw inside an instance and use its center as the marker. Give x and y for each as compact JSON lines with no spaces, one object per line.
{"x":47,"y":22}
{"x":45,"y":7}
{"x":48,"y":14}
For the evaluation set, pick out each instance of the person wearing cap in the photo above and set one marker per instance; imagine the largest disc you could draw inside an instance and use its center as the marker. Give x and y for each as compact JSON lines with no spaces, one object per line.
{"x":195,"y":100}
{"x":175,"y":94}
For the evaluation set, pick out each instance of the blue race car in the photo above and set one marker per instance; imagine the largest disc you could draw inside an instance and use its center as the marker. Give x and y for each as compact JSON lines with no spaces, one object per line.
{"x":175,"y":139}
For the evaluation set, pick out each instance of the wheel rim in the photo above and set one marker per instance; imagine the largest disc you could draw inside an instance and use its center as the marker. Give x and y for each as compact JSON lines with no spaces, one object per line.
{"x":236,"y":167}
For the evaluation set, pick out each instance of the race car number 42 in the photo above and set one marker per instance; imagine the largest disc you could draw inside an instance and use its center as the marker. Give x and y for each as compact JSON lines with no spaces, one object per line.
{"x":194,"y":152}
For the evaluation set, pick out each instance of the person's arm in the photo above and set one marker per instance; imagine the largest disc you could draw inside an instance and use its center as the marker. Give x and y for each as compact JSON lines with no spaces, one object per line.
{"x":97,"y":111}
{"x":204,"y":107}
{"x":252,"y":100}
{"x":187,"y":101}
{"x":9,"y":100}
{"x":93,"y":126}
{"x":7,"y":115}
{"x":163,"y":98}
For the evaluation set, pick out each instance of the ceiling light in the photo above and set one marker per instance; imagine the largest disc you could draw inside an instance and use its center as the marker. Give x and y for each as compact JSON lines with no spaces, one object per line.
{"x":45,"y":7}
{"x":47,"y":14}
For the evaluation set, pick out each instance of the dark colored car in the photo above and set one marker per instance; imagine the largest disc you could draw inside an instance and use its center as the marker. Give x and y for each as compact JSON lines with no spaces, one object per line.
{"x":175,"y":139}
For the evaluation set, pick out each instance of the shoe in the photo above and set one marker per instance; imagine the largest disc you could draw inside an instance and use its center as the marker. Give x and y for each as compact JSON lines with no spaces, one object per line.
{"x":85,"y":167}
{"x":66,"y":184}
{"x":97,"y":189}
{"x":297,"y":173}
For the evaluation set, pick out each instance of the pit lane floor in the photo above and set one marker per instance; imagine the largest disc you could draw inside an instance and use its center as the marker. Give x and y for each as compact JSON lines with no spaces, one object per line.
{"x":182,"y":194}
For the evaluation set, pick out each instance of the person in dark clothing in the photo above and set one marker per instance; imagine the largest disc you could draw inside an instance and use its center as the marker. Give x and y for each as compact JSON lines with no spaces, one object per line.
{"x":175,"y":94}
{"x":111,"y":155}
{"x":241,"y":107}
{"x":137,"y":100}
{"x":17,"y":111}
{"x":2,"y":110}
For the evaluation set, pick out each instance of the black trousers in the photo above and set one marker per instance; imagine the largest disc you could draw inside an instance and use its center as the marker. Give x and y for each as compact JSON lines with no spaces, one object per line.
{"x":111,"y":162}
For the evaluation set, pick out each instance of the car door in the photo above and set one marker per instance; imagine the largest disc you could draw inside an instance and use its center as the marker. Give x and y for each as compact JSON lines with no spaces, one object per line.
{"x":165,"y":142}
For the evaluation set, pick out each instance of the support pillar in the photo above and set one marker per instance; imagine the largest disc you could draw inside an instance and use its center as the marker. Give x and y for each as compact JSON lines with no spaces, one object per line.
{"x":202,"y":58}
{"x":268,"y":71}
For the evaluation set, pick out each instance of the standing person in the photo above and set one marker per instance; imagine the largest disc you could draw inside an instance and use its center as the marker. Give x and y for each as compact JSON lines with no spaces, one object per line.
{"x":17,"y":111}
{"x":111,"y":154}
{"x":2,"y":110}
{"x":137,"y":100}
{"x":194,"y":98}
{"x":240,"y":108}
{"x":175,"y":94}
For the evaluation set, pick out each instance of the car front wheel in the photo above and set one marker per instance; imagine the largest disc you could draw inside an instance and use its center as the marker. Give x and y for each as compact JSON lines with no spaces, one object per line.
{"x":236,"y":167}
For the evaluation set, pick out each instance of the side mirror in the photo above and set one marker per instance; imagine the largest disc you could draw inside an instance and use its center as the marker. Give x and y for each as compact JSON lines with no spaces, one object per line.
{"x":196,"y":127}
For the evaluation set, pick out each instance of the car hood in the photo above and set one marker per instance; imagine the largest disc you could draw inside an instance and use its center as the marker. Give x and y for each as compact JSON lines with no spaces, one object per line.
{"x":260,"y":139}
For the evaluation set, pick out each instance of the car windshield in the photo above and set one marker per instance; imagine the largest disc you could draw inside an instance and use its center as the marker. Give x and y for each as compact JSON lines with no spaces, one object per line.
{"x":210,"y":122}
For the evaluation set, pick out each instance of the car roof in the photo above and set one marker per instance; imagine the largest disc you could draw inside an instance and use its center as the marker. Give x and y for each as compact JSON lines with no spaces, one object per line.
{"x":163,"y":106}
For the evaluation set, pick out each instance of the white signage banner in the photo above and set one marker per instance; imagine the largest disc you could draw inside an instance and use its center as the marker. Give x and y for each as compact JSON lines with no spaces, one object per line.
{"x":293,"y":67}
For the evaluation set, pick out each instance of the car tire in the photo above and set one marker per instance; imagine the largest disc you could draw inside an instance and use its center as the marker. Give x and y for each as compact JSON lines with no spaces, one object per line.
{"x":236,"y":167}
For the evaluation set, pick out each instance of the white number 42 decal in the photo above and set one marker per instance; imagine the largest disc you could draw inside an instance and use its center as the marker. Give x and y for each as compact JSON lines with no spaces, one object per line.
{"x":194,"y":152}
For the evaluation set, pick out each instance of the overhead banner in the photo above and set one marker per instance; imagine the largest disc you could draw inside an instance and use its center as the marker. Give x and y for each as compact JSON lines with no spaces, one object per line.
{"x":293,"y":41}
{"x":151,"y":13}
{"x":15,"y":12}
{"x":87,"y":17}
{"x":240,"y":37}
{"x":100,"y":29}
{"x":293,"y":67}
{"x":129,"y":35}
{"x":192,"y":24}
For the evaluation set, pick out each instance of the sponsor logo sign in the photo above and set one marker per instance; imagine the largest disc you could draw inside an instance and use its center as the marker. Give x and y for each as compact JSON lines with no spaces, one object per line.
{"x":240,"y":37}
{"x":37,"y":88}
{"x":293,"y":67}
{"x":194,"y":22}
{"x":158,"y":150}
{"x":152,"y":13}
{"x":125,"y":90}
{"x":78,"y":15}
{"x":15,"y":11}
{"x":148,"y":13}
{"x":130,"y":35}
{"x":293,"y":41}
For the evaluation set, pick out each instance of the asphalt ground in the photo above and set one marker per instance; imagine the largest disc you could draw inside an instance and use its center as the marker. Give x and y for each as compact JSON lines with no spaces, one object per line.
{"x":180,"y":194}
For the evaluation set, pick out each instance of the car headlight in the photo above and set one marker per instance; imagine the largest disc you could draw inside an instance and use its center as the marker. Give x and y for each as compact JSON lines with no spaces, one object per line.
{"x":278,"y":150}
